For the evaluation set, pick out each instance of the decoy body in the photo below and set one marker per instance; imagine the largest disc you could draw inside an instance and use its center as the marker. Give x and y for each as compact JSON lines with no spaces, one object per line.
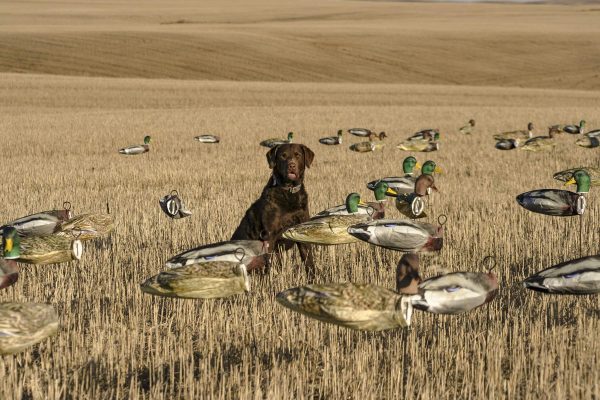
{"x":24,"y":324}
{"x":87,"y":226}
{"x":51,"y":249}
{"x":468,"y":129}
{"x":579,"y":276}
{"x":205,"y":280}
{"x":207,"y":139}
{"x":137,"y":149}
{"x":361,"y":132}
{"x":426,"y":134}
{"x":402,"y":235}
{"x":9,"y":269}
{"x":520,"y":135}
{"x":270,"y":143}
{"x":412,"y":204}
{"x":40,"y":224}
{"x":247,"y":252}
{"x":508,"y":144}
{"x":366,"y":147}
{"x":567,"y":175}
{"x":400,"y":184}
{"x":332,"y":140}
{"x":572,"y":129}
{"x":173,"y":206}
{"x":540,"y":143}
{"x":558,"y":202}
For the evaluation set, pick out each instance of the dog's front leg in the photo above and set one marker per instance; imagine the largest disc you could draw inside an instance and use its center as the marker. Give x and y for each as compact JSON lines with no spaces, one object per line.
{"x":306,"y":255}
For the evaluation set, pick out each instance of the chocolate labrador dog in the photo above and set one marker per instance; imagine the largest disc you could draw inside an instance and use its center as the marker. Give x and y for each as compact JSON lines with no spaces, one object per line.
{"x":283,"y":203}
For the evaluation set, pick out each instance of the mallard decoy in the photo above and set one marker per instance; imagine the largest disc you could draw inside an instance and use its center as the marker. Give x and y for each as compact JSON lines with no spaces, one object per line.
{"x":380,"y":136}
{"x":423,"y":145}
{"x":87,"y":226}
{"x":51,"y":249}
{"x":332,"y":140}
{"x":412,"y":204}
{"x":426,"y":134}
{"x":24,"y":324}
{"x":468,"y":129}
{"x":330,"y":229}
{"x":361,"y":132}
{"x":204,"y":280}
{"x":579,"y":276}
{"x":400,"y":184}
{"x":400,"y":235}
{"x":247,"y":252}
{"x":207,"y":139}
{"x":588,"y":142}
{"x":270,"y":143}
{"x":520,"y":135}
{"x":137,"y":149}
{"x":540,"y":143}
{"x":375,"y":209}
{"x":572,"y":129}
{"x":9,"y":270}
{"x":173,"y":206}
{"x":556,"y":202}
{"x":40,"y":224}
{"x":365,"y":147}
{"x":567,"y":175}
{"x":508,"y":144}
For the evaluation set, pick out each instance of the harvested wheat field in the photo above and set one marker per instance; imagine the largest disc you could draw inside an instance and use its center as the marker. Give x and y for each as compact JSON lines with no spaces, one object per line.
{"x":79,"y":80}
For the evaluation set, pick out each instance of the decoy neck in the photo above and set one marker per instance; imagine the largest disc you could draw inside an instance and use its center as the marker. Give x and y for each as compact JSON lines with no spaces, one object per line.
{"x":582,"y":179}
{"x":147,"y":139}
{"x":530,"y":129}
{"x":380,"y":190}
{"x":352,"y":203}
{"x":407,"y":274}
{"x":409,"y":164}
{"x":429,"y":167}
{"x":581,"y":125}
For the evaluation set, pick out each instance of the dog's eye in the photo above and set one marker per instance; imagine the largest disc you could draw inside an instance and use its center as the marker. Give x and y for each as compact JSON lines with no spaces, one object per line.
{"x":283,"y":155}
{"x":297,"y":154}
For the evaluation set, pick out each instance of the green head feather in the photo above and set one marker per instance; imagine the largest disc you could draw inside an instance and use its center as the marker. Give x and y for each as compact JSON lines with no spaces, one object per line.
{"x":380,"y":190}
{"x":436,"y":136}
{"x":352,"y":202}
{"x":290,"y":137}
{"x":428,"y":168}
{"x":409,"y":164}
{"x":11,"y":243}
{"x":582,"y":178}
{"x":582,"y":123}
{"x":147,"y":139}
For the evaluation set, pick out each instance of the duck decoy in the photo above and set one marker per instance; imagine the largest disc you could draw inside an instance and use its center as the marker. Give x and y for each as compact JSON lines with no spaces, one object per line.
{"x":173,"y":206}
{"x":425,"y":134}
{"x":247,"y":252}
{"x":87,"y":226}
{"x":579,"y":276}
{"x":520,"y":135}
{"x":540,"y":143}
{"x":366,"y":147}
{"x":361,"y":132}
{"x":270,"y":143}
{"x":400,"y":184}
{"x":588,"y":142}
{"x":375,"y":209}
{"x":423,"y":145}
{"x":207,"y":139}
{"x":567,"y":175}
{"x":9,"y":269}
{"x":52,"y":249}
{"x":204,"y":280}
{"x":412,"y":204}
{"x":137,"y":149}
{"x":380,"y":136}
{"x":558,"y":202}
{"x":468,"y":129}
{"x":332,"y":140}
{"x":508,"y":144}
{"x":572,"y":129}
{"x":24,"y":324}
{"x":41,"y":224}
{"x":330,"y":229}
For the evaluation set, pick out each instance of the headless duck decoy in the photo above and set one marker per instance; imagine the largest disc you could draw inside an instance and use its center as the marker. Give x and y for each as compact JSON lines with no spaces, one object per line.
{"x":400,"y":184}
{"x":366,"y":147}
{"x":567,"y":175}
{"x":24,"y":324}
{"x":41,"y":224}
{"x":270,"y":143}
{"x":374,"y":209}
{"x":412,"y":204}
{"x":137,"y":149}
{"x":332,"y":140}
{"x":556,"y":202}
{"x":468,"y":129}
{"x":87,"y":226}
{"x":9,"y":269}
{"x":207,"y":139}
{"x":204,"y":280}
{"x":540,"y":143}
{"x":572,"y":129}
{"x":522,"y":136}
{"x":579,"y":276}
{"x":329,"y":229}
{"x":360,"y":132}
{"x":173,"y":206}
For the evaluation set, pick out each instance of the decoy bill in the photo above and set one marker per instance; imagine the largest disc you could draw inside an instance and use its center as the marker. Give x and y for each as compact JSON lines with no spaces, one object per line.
{"x":24,"y":324}
{"x":137,"y":149}
{"x":173,"y":206}
{"x":579,"y":276}
{"x":400,"y":235}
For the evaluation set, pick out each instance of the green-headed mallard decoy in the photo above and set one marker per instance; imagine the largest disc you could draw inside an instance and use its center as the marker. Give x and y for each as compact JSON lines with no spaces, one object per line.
{"x":24,"y":324}
{"x":567,"y":175}
{"x":572,"y":129}
{"x":332,"y":140}
{"x":579,"y":276}
{"x":9,"y":269}
{"x":204,"y":280}
{"x":207,"y":139}
{"x":400,"y":184}
{"x":520,"y":135}
{"x":556,"y":202}
{"x":248,"y":252}
{"x":137,"y":149}
{"x":87,"y":226}
{"x":375,"y":209}
{"x":366,"y":147}
{"x":41,"y":224}
{"x":426,"y":134}
{"x":540,"y":143}
{"x":379,"y":136}
{"x":330,"y":229}
{"x":360,"y":132}
{"x":173,"y":206}
{"x":270,"y":143}
{"x":468,"y":129}
{"x":412,"y":204}
{"x":51,"y":249}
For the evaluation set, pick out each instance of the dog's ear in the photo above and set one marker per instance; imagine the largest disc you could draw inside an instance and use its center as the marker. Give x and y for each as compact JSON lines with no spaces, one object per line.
{"x":308,"y":156}
{"x":272,"y":156}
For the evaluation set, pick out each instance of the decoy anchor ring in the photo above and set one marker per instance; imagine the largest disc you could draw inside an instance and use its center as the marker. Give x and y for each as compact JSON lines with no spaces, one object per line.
{"x":491,"y":263}
{"x":442,"y":219}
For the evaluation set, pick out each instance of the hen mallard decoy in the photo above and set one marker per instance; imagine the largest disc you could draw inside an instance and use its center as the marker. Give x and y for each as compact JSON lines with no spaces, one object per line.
{"x":400,"y":184}
{"x":468,"y":129}
{"x":379,"y":136}
{"x":579,"y":276}
{"x":24,"y":324}
{"x":540,"y":143}
{"x":520,"y":135}
{"x":588,"y":142}
{"x":412,"y":204}
{"x":330,"y":229}
{"x":558,"y":202}
{"x":207,"y":139}
{"x":87,"y":226}
{"x":425,"y":134}
{"x":332,"y":140}
{"x":270,"y":143}
{"x":137,"y":149}
{"x":567,"y":175}
{"x":366,"y":147}
{"x":173,"y":206}
{"x":40,"y":224}
{"x":375,"y":209}
{"x":204,"y":280}
{"x":361,"y":132}
{"x":9,"y":269}
{"x":247,"y":252}
{"x":572,"y":129}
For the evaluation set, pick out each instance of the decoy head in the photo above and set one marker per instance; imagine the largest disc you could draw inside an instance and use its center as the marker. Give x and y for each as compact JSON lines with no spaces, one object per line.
{"x":472,"y":122}
{"x":429,"y":168}
{"x":290,"y":137}
{"x":582,"y":179}
{"x":11,"y":243}
{"x":436,"y":136}
{"x":382,"y":135}
{"x":352,"y":203}
{"x":340,"y":133}
{"x":380,"y":190}
{"x":581,"y":124}
{"x":407,"y":274}
{"x":409,"y":164}
{"x":530,"y":126}
{"x":147,"y":139}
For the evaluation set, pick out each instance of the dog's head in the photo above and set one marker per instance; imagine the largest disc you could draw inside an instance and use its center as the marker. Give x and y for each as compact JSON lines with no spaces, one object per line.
{"x":288,"y":162}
